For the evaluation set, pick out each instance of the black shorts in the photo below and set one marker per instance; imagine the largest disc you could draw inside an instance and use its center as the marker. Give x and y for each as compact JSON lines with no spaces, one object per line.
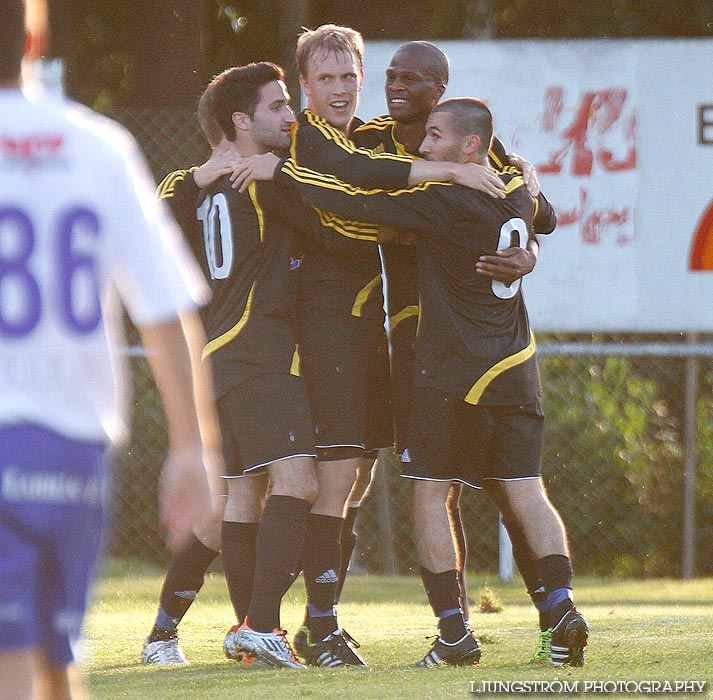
{"x":345,"y":364}
{"x":264,"y":420}
{"x":450,"y":440}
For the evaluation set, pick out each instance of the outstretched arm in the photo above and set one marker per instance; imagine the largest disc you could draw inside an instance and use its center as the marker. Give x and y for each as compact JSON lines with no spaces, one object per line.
{"x":478,"y":177}
{"x":418,"y":208}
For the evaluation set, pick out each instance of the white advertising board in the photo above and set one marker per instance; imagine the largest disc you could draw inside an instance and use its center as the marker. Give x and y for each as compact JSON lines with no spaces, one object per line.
{"x":621,"y":133}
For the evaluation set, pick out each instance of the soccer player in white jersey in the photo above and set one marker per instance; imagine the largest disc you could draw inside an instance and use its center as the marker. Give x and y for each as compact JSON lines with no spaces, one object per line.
{"x":79,"y":230}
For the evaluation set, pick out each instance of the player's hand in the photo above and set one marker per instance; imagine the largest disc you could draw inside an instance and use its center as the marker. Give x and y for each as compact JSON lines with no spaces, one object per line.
{"x":480,"y":177}
{"x":220,"y":163}
{"x":184,"y":494}
{"x":252,"y":168}
{"x":529,"y":174}
{"x":507,"y":265}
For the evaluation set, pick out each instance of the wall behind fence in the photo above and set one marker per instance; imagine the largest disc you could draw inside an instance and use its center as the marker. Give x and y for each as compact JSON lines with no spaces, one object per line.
{"x":602,"y":120}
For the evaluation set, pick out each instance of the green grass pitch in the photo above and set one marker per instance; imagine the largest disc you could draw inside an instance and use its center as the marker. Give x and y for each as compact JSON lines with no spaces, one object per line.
{"x":640,"y":631}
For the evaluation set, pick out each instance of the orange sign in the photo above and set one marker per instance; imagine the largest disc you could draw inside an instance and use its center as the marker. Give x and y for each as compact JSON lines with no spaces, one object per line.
{"x":702,"y":248}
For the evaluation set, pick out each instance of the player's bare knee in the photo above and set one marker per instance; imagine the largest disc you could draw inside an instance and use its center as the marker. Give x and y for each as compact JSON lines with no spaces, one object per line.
{"x":307,"y":490}
{"x":299,"y":481}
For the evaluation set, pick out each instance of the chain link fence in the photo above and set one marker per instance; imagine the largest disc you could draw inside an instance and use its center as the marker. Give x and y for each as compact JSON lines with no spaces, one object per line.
{"x":628,"y":442}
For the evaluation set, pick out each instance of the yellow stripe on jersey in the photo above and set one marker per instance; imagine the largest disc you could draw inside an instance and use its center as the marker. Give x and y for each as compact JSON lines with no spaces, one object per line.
{"x":495,"y":160}
{"x":351,"y":229}
{"x":386,"y":124}
{"x":364,"y":294}
{"x":406,"y":312}
{"x":295,"y":366}
{"x":510,"y":169}
{"x":329,"y":132}
{"x":167,"y":186}
{"x":252,"y":191}
{"x":312,"y":177}
{"x":358,"y":230}
{"x":476,"y":391}
{"x":514,"y":184}
{"x":376,"y":124}
{"x":231,"y":334}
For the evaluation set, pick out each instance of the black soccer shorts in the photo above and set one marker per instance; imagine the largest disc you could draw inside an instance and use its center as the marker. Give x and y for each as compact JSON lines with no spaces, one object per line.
{"x":345,"y":364}
{"x":264,"y":420}
{"x":450,"y":440}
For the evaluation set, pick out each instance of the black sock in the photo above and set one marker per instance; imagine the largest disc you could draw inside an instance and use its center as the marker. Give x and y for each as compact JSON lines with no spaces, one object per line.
{"x":556,"y":574}
{"x":451,"y":627}
{"x":321,"y":556}
{"x":238,"y":544}
{"x":347,"y":542}
{"x":443,"y":593}
{"x":539,"y":600}
{"x":184,"y":579}
{"x":279,"y":543}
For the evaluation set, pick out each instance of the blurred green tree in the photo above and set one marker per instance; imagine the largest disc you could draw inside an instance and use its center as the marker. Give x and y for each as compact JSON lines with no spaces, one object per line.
{"x":121,"y":52}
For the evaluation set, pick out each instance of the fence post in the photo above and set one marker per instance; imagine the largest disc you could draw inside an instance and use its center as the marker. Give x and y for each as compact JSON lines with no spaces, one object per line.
{"x":688,"y":567}
{"x":506,"y":560}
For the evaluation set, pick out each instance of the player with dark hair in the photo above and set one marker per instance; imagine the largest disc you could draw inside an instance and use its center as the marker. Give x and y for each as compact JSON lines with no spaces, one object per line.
{"x":476,"y":412}
{"x":186,"y":570}
{"x":343,"y":347}
{"x":73,"y":246}
{"x":416,"y":79}
{"x":250,"y":242}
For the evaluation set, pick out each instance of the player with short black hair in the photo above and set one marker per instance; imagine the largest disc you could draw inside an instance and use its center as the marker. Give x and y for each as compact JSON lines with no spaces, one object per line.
{"x":477,"y":414}
{"x":251,"y":250}
{"x":188,"y":565}
{"x":250,"y":247}
{"x":416,"y":78}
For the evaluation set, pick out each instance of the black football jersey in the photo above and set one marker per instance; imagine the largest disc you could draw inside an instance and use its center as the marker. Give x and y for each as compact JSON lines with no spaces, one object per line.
{"x":180,"y":192}
{"x":474,"y":338}
{"x":341,"y":269}
{"x":399,"y":257}
{"x":251,"y":250}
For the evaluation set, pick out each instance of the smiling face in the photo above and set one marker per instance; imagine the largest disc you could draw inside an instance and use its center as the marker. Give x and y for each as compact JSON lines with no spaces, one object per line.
{"x":412,"y":90}
{"x":332,"y":86}
{"x":273,"y":116}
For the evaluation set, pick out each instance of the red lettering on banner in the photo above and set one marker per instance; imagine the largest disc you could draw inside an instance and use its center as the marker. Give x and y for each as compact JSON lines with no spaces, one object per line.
{"x":596,"y":117}
{"x":599,"y":138}
{"x":596,"y":222}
